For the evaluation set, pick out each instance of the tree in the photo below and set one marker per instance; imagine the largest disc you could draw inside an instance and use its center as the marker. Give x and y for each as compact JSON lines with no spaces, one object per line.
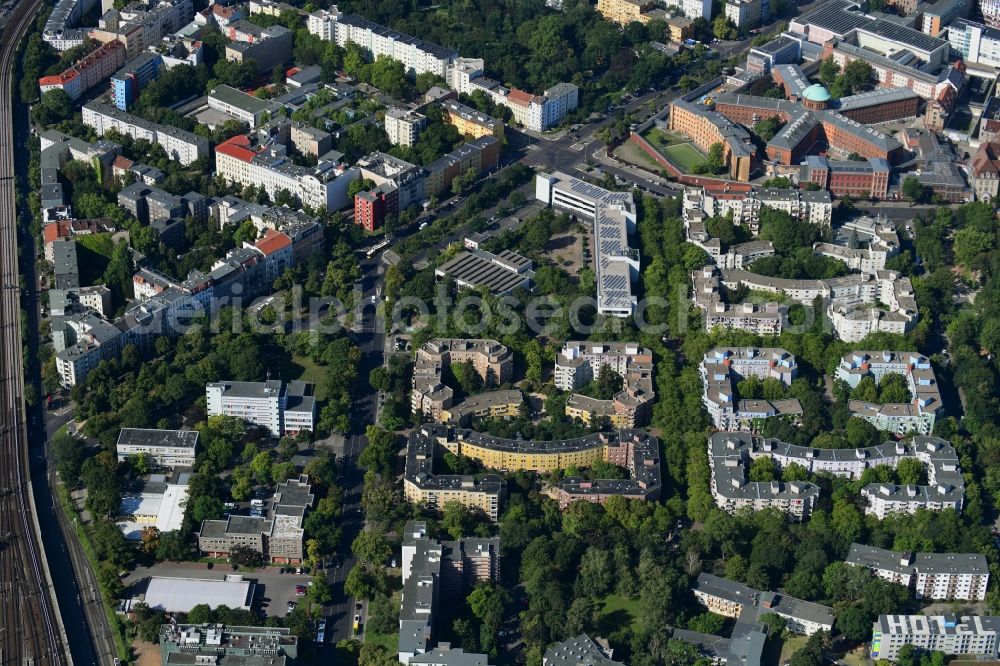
{"x":707,"y":623}
{"x":58,"y":106}
{"x":487,"y":604}
{"x":762,"y":469}
{"x":913,"y":189}
{"x":794,"y":472}
{"x":828,"y":71}
{"x":859,"y":75}
{"x":854,"y":623}
{"x":246,"y":557}
{"x":774,"y":624}
{"x":364,"y":583}
{"x":596,"y":577}
{"x":261,"y":467}
{"x":724,"y":28}
{"x":69,"y":454}
{"x":371,"y":547}
{"x":767,"y":127}
{"x":383,"y":615}
{"x":716,"y":158}
{"x":200,"y":614}
{"x":910,"y":472}
{"x":458,"y":519}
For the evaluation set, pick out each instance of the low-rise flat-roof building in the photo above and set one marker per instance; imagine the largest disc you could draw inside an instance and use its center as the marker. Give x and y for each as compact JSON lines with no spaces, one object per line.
{"x":952,"y":635}
{"x":219,"y":645}
{"x":499,"y":273}
{"x":160,"y":505}
{"x":241,"y":106}
{"x":180,"y":595}
{"x":162,"y":448}
{"x":943,"y":576}
{"x":732,"y":599}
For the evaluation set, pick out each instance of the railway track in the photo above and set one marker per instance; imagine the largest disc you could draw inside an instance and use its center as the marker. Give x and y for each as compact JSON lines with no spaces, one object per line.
{"x":29,"y":630}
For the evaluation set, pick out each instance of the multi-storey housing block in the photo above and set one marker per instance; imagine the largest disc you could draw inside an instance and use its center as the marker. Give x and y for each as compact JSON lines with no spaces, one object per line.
{"x":942,"y":576}
{"x":180,"y":145}
{"x":732,"y":599}
{"x":578,"y":363}
{"x":967,"y":635}
{"x":241,"y":159}
{"x":492,"y":361}
{"x":916,"y":416}
{"x":89,"y":71}
{"x":403,"y":126}
{"x":422,"y":486}
{"x":723,"y":367}
{"x":128,"y":82}
{"x":435,"y":572}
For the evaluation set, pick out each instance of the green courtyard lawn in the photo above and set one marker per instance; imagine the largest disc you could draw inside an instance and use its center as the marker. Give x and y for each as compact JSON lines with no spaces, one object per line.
{"x":619,"y":611}
{"x":389,"y":641}
{"x":684,"y":155}
{"x":661,"y":139}
{"x":303,"y":367}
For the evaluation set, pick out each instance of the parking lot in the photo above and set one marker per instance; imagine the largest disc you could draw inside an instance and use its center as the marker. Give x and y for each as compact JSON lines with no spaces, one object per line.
{"x":273,"y":591}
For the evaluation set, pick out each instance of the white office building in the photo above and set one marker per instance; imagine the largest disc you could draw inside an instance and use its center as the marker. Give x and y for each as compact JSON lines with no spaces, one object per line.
{"x":162,"y":448}
{"x":280,"y":408}
{"x":613,"y":215}
{"x":976,"y":42}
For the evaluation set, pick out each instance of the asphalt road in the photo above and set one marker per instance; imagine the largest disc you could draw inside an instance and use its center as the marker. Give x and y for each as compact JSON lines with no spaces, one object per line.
{"x":371,"y":339}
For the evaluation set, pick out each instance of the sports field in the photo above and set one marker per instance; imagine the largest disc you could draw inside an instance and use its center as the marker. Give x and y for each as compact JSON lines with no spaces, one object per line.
{"x":684,"y":155}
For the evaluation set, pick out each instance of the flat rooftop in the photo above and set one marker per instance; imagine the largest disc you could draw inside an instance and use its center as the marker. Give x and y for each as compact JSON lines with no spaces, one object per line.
{"x":187,"y":439}
{"x":180,"y":595}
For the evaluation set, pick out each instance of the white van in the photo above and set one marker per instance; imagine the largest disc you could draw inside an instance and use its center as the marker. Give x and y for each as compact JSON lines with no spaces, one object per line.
{"x":257,"y":503}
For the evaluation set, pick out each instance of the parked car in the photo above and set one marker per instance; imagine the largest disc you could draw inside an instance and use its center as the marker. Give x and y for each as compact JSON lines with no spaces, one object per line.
{"x":291,"y":606}
{"x":300,"y":590}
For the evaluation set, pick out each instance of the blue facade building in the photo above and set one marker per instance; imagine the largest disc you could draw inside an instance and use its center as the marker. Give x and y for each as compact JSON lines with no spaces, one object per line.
{"x":129,"y":81}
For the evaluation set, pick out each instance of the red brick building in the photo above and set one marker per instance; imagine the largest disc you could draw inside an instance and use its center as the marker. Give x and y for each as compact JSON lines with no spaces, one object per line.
{"x":372,"y":208}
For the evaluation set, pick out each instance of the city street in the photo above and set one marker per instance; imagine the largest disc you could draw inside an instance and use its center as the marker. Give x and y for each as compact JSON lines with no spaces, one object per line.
{"x":371,"y":339}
